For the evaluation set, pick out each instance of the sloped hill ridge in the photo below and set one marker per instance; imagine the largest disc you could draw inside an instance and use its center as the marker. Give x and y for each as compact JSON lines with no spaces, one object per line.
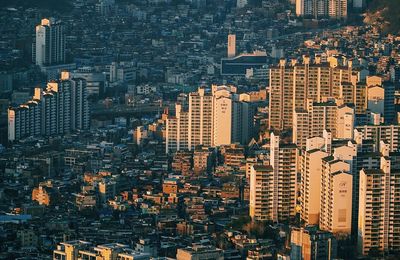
{"x":385,"y":13}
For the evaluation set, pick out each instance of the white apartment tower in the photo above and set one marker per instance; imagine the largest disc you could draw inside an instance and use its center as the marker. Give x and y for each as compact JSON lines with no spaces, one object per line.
{"x":222,"y":119}
{"x":336,"y":197}
{"x":310,"y":189}
{"x":49,"y":46}
{"x":201,"y":118}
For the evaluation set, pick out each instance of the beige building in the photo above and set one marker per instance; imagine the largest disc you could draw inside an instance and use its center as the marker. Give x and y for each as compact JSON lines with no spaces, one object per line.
{"x":310,"y":189}
{"x":345,"y":117}
{"x":361,"y":98}
{"x":201,"y":121}
{"x":273,"y":188}
{"x":234,"y":155}
{"x":374,"y":81}
{"x":212,"y":118}
{"x":292,"y":84}
{"x":261,"y":184}
{"x":222,"y":117}
{"x":338,"y":9}
{"x":336,"y":197}
{"x":261,"y":159}
{"x":301,"y":127}
{"x":378,"y":217}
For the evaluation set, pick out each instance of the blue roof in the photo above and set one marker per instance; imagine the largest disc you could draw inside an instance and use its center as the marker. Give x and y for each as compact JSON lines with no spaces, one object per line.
{"x":13,"y":218}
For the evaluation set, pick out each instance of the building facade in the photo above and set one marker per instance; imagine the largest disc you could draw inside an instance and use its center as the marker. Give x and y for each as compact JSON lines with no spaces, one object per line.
{"x":317,"y":9}
{"x":210,"y":119}
{"x":336,"y":197}
{"x":378,"y":218}
{"x":59,"y":109}
{"x":310,"y":189}
{"x":261,"y":188}
{"x":49,"y":46}
{"x":293,"y":85}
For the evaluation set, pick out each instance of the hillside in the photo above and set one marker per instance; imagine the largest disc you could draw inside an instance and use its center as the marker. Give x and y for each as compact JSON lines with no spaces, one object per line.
{"x":386,"y":13}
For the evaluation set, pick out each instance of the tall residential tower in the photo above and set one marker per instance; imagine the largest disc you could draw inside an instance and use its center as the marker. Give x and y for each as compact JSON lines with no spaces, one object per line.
{"x":49,"y":46}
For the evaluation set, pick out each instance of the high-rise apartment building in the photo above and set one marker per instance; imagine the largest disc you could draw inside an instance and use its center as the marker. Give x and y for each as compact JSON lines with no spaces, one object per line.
{"x":201,"y":118}
{"x":211,"y":118}
{"x":336,"y":197}
{"x":49,"y":46}
{"x":348,"y":153}
{"x":310,"y":188}
{"x":373,"y":96}
{"x":379,"y":203}
{"x":273,"y":188}
{"x":59,"y":109}
{"x":338,"y":9}
{"x":334,"y":9}
{"x":231,"y":45}
{"x":293,"y":85}
{"x":312,"y":8}
{"x":283,"y":159}
{"x":362,"y":153}
{"x":261,"y":189}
